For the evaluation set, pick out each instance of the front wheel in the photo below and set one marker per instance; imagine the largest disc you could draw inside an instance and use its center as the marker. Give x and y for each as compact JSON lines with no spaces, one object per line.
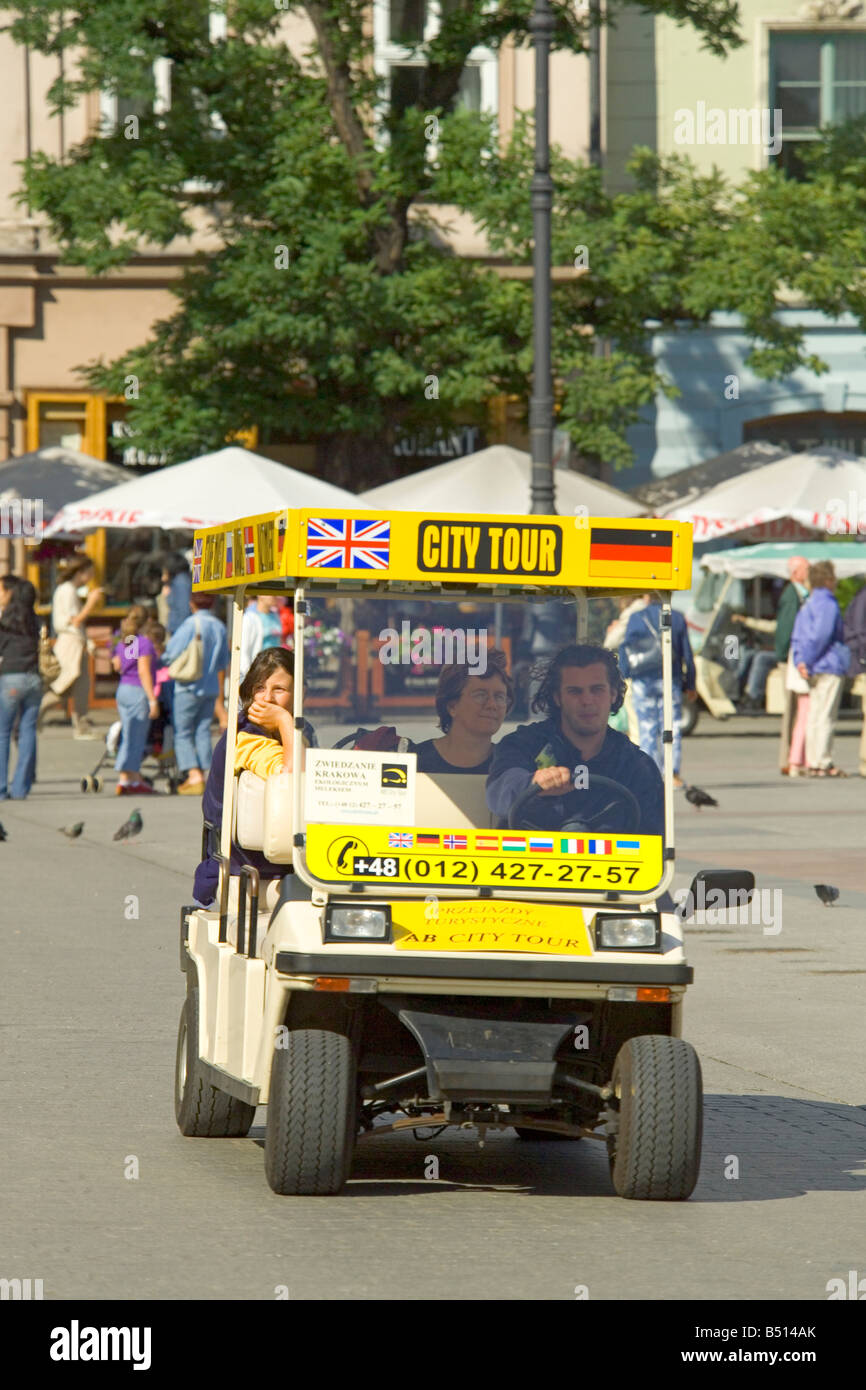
{"x":655,"y":1150}
{"x":201,"y":1110}
{"x":310,"y":1138}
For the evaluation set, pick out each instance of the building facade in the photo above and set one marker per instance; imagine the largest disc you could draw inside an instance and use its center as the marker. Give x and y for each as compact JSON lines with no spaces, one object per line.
{"x":802,"y":66}
{"x":55,"y":319}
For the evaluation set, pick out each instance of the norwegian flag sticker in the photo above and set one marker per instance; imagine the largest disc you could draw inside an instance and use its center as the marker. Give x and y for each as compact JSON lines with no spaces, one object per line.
{"x":249,"y":549}
{"x":341,"y":544}
{"x":454,"y":841}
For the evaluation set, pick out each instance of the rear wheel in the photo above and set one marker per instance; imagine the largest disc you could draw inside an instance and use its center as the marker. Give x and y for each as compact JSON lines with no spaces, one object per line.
{"x":201,"y":1110}
{"x":655,"y":1151}
{"x":310,"y":1137}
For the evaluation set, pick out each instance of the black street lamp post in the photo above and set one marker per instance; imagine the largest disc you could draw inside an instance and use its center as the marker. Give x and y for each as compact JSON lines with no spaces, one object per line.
{"x":541,"y":401}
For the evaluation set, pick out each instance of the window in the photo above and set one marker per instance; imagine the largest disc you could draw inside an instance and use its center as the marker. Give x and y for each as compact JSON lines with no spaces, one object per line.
{"x":815,"y":80}
{"x":114,"y":108}
{"x":88,"y":422}
{"x":812,"y":429}
{"x":397,"y":25}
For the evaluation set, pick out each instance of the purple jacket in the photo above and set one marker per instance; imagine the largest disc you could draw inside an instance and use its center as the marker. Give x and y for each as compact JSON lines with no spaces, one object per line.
{"x":817,"y":640}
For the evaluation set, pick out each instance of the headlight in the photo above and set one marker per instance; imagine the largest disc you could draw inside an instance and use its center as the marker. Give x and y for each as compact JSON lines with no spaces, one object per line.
{"x":640,"y":933}
{"x":358,"y":924}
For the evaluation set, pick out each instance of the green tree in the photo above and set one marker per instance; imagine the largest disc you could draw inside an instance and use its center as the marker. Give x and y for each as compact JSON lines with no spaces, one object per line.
{"x":331,"y":314}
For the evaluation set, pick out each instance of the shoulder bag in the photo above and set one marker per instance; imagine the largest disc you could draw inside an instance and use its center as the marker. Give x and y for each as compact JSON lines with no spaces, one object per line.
{"x":49,"y":665}
{"x":188,"y":667}
{"x":645,"y":657}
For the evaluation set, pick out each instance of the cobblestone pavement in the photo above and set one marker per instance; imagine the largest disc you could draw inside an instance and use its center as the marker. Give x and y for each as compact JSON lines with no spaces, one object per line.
{"x":89,"y":1002}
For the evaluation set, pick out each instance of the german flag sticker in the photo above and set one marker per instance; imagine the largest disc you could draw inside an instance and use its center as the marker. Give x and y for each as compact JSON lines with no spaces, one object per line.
{"x":615,"y":552}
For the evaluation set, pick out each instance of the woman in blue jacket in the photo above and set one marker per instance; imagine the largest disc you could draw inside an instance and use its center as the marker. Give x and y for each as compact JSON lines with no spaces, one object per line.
{"x":820,"y":655}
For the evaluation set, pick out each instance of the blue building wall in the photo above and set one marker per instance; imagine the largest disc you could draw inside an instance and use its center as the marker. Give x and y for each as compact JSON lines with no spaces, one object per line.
{"x":701,"y":422}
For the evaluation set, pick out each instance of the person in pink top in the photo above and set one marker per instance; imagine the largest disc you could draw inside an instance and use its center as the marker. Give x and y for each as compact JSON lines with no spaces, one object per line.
{"x":135,"y":659}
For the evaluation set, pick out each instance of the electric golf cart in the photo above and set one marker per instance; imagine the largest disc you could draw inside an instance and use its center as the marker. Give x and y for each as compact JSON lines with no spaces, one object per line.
{"x":416,"y":960}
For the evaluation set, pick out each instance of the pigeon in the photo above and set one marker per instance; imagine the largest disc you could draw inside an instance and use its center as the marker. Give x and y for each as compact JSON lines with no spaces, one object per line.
{"x":827,"y":893}
{"x":3,"y":835}
{"x":698,"y":797}
{"x":130,"y":827}
{"x":72,"y":831}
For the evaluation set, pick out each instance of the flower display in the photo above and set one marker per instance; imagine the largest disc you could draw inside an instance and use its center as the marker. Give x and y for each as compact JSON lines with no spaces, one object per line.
{"x":322,"y":640}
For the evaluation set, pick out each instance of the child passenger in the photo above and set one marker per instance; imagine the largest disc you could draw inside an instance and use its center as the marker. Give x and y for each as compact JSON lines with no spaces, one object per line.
{"x":264,"y":746}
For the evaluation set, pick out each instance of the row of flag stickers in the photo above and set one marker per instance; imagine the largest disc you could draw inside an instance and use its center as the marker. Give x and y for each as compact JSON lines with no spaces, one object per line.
{"x":515,"y":844}
{"x":238,"y":551}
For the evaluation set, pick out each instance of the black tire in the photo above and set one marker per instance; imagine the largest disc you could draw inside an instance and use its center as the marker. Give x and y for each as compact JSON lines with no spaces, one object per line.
{"x":85,"y":784}
{"x":690,"y":714}
{"x":97,"y":784}
{"x":201,"y":1110}
{"x":310,"y":1137}
{"x":655,"y":1154}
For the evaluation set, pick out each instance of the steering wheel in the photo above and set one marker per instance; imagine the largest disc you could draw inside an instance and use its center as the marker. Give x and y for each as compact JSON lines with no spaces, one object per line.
{"x":526,"y":813}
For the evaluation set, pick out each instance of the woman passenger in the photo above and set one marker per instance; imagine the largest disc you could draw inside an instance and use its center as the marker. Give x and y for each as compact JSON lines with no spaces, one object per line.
{"x":264,"y":746}
{"x":471,"y":710}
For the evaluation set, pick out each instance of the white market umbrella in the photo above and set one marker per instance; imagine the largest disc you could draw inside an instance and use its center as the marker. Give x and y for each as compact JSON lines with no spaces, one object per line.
{"x":496,"y":481}
{"x":822,"y":490}
{"x":205,"y":491}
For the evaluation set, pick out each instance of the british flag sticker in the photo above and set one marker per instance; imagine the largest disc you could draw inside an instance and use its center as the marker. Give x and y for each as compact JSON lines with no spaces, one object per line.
{"x":196,"y":560}
{"x":399,"y":840}
{"x":341,"y":544}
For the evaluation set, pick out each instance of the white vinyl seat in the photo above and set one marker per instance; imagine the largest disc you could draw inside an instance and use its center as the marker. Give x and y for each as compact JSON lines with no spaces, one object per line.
{"x":250,"y":811}
{"x":452,"y":799}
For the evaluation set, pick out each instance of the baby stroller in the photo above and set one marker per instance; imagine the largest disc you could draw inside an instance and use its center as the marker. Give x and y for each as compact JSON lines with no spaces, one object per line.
{"x":158,"y":752}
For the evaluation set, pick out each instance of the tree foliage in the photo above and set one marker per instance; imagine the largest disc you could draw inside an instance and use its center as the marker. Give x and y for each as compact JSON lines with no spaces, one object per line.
{"x":330,"y":309}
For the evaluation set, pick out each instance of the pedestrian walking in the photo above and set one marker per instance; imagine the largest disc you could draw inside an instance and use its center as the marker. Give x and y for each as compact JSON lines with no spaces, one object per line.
{"x":261,"y":629}
{"x":197,"y":656}
{"x":173,"y":602}
{"x":854,"y":629}
{"x":134,"y":657}
{"x":791,"y":599}
{"x":640,"y":660}
{"x":72,"y":603}
{"x":821,"y":657}
{"x":20,"y":683}
{"x":625,"y":719}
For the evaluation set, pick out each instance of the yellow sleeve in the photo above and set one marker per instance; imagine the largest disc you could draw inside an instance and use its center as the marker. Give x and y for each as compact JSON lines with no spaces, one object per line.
{"x":259,"y":754}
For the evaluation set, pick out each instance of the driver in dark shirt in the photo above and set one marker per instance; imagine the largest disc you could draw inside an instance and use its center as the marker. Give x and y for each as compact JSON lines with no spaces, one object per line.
{"x":581,"y":688}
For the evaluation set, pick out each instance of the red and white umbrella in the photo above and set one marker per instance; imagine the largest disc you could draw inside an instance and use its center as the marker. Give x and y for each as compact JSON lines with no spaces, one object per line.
{"x":823,"y":491}
{"x":205,"y":491}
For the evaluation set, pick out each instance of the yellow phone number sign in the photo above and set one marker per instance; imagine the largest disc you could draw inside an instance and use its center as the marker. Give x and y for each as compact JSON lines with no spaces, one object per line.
{"x":483,"y":859}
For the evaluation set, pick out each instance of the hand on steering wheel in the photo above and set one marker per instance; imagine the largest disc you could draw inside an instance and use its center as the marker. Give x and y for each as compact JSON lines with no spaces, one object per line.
{"x":581,"y":809}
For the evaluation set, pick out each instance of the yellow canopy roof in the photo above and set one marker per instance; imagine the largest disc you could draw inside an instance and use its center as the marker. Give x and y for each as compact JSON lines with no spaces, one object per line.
{"x":362,"y":549}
